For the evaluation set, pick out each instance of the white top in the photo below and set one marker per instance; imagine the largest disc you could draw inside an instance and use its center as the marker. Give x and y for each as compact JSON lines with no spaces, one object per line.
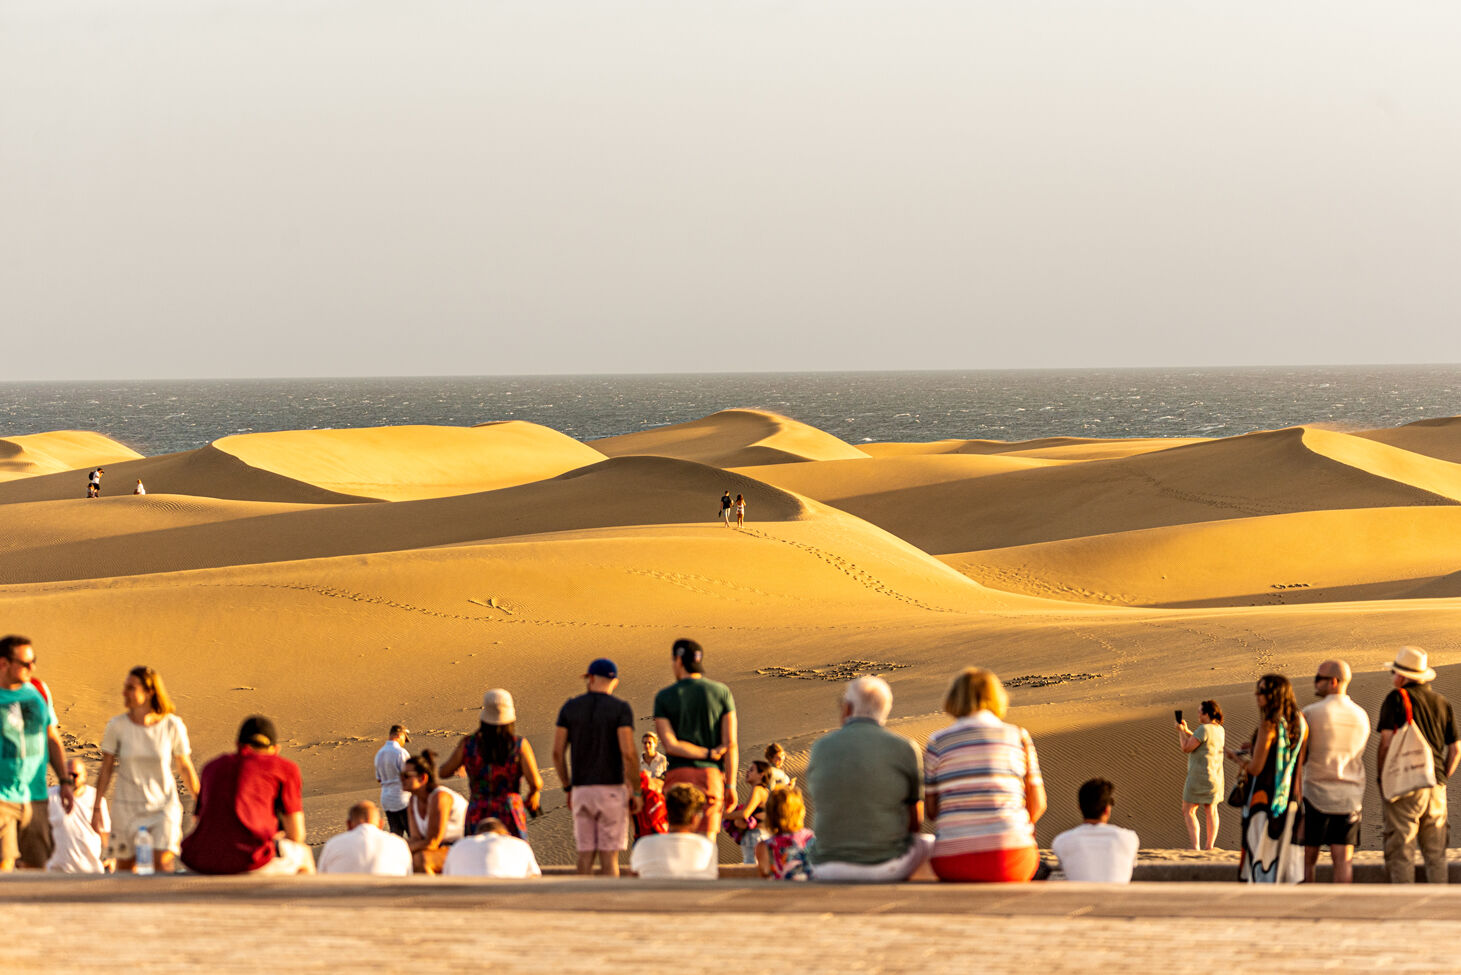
{"x":656,"y":766}
{"x":491,"y":855}
{"x":1334,"y":775}
{"x":675,"y":856}
{"x":456,"y":819}
{"x":366,"y":849}
{"x":145,"y":753}
{"x":1097,"y":854}
{"x":139,"y":489}
{"x":78,"y":847}
{"x":388,"y":764}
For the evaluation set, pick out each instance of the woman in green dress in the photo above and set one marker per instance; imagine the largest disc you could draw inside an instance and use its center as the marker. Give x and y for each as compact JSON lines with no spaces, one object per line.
{"x":1203,"y":789}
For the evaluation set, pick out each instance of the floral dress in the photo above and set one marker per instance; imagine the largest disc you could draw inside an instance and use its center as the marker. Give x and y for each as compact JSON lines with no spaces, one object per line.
{"x":495,"y":789}
{"x":788,"y":852}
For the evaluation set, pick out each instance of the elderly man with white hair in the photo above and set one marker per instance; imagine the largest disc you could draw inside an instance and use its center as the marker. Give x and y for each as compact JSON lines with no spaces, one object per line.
{"x":866,"y":784}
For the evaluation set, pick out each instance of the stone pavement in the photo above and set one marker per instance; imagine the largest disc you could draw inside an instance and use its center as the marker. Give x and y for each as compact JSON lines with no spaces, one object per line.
{"x":326,"y":924}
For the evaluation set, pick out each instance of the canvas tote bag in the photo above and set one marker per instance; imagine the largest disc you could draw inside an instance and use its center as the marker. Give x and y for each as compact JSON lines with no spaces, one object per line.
{"x":1410,"y":764}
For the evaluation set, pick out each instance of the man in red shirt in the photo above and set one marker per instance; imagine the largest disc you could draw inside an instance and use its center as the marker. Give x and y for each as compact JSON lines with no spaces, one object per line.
{"x":250,"y":819}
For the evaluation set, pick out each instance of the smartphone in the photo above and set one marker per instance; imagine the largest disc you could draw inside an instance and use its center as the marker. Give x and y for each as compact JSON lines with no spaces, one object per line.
{"x":1178,"y":713}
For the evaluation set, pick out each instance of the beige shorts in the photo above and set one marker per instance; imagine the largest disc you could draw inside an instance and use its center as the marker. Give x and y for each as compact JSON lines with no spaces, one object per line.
{"x":164,"y":825}
{"x":25,"y":833}
{"x":600,"y":817}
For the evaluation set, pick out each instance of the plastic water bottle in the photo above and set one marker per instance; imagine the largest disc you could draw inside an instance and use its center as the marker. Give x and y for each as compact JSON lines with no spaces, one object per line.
{"x":142,"y":849}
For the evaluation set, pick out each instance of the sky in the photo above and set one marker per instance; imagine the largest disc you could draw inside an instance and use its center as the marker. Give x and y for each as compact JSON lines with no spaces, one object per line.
{"x":201,"y":188}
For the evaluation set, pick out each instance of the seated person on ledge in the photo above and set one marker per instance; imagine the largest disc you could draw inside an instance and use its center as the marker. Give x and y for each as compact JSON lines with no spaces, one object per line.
{"x":1095,"y":851}
{"x":250,"y":819}
{"x":684,"y":853}
{"x":366,"y":848}
{"x":492,"y":852}
{"x":866,"y":785}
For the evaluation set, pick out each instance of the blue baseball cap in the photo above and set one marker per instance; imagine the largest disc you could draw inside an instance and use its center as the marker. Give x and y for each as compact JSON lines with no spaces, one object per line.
{"x":602,"y":667}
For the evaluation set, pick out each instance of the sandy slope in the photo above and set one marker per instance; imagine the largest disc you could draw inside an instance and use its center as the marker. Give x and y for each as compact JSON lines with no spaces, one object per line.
{"x":733,"y":438}
{"x":1046,"y":448}
{"x":260,"y":580}
{"x":63,"y":450}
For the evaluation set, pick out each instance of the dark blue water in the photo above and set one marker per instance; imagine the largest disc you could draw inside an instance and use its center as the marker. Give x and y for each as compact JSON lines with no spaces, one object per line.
{"x":156,"y":417}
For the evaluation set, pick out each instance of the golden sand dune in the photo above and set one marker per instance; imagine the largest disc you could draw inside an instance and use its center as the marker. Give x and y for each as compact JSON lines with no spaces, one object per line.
{"x":833,"y":480}
{"x":1439,"y":437}
{"x":620,"y":492}
{"x":1045,"y":448}
{"x":1273,"y":560}
{"x":1276,"y":472}
{"x":733,"y":438}
{"x":63,"y":450}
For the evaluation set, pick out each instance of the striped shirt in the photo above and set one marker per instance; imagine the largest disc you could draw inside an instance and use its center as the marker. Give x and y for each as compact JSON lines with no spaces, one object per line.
{"x":978,"y":768}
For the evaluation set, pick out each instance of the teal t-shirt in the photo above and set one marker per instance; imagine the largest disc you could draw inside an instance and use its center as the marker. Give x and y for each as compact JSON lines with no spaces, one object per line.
{"x":694,"y":707}
{"x":24,"y":718}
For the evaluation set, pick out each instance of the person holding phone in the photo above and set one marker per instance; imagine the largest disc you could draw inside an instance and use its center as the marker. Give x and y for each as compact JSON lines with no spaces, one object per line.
{"x":1203,"y":789}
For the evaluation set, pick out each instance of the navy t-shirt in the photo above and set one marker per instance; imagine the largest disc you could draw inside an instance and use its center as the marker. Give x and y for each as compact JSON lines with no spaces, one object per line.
{"x":593,"y":721}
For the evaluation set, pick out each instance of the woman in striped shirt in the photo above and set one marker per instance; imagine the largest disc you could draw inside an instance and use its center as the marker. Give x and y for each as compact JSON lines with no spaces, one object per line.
{"x":982,"y":786}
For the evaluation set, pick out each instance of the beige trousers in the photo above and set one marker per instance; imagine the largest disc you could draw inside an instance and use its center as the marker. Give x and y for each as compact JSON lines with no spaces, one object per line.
{"x":1416,"y":817}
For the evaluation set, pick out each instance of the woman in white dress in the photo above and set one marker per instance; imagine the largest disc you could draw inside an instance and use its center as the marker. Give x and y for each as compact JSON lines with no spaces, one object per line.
{"x":140,"y":749}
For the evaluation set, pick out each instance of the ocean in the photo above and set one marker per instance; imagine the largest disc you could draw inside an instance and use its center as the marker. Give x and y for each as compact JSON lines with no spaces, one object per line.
{"x":162,"y":416}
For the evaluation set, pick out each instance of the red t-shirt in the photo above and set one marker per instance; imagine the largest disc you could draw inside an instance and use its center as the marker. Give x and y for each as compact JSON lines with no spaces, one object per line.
{"x":240,"y":801}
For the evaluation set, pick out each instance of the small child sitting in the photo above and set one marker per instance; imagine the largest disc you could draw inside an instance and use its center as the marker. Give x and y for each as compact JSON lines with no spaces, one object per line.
{"x":783,"y":856}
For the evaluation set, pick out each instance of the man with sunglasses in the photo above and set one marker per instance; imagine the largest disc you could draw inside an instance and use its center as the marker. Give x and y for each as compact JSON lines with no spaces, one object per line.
{"x":29,"y":735}
{"x":1334,"y":771}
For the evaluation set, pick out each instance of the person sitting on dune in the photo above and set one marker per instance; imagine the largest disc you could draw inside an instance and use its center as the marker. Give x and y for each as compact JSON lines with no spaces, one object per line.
{"x":366,"y":848}
{"x":684,"y":853}
{"x":1095,"y":851}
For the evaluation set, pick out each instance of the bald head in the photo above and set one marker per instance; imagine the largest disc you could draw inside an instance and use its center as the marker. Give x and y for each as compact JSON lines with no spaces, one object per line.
{"x":364,"y":812}
{"x":1339,"y":676}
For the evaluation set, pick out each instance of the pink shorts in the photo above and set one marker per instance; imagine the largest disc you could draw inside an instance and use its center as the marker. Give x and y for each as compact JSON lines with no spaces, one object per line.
{"x":600,"y":817}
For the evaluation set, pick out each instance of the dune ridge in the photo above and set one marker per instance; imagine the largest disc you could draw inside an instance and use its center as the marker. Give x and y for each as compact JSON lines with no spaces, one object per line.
{"x":734,"y":438}
{"x":62,"y":450}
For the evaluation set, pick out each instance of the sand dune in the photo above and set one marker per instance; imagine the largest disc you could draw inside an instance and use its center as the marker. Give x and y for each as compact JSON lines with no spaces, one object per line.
{"x":1277,"y":472}
{"x":1108,"y":581}
{"x":1439,"y":438}
{"x":1274,"y":560}
{"x":733,"y":438}
{"x":63,"y":450}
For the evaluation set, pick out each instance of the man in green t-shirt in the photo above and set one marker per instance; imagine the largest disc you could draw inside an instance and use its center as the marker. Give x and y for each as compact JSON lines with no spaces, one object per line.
{"x":28,"y":737}
{"x":695,"y":718}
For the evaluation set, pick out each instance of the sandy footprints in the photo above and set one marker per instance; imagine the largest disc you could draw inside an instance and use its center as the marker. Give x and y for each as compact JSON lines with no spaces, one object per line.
{"x":703,"y":585}
{"x":853,"y":571}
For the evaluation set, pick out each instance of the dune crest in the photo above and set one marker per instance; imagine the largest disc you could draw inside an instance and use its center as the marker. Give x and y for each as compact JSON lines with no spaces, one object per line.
{"x":1439,"y":437}
{"x":61,"y":450}
{"x":733,"y":438}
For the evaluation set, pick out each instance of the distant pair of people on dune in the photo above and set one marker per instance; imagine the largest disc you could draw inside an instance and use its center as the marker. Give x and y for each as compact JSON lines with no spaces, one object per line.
{"x":736,"y":507}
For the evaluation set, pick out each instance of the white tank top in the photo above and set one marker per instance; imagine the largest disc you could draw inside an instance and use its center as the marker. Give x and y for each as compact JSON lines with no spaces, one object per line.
{"x":456,"y":820}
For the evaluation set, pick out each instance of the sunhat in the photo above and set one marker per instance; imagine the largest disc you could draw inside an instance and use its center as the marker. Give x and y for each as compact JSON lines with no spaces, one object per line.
{"x":497,"y":707}
{"x":1411,"y":662}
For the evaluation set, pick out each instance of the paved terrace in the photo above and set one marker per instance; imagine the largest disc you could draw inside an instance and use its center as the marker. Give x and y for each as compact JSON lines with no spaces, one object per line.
{"x":563,"y":924}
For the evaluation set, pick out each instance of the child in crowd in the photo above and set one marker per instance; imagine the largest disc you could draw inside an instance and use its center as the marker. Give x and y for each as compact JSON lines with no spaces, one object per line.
{"x":683,"y":853}
{"x":653,"y":761}
{"x":777,"y":777}
{"x":783,"y":855}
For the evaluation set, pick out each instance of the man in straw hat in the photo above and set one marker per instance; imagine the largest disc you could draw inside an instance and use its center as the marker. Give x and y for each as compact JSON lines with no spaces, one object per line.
{"x":1418,"y":816}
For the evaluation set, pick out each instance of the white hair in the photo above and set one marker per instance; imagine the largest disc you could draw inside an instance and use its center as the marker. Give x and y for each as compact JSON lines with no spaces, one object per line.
{"x":869,"y":697}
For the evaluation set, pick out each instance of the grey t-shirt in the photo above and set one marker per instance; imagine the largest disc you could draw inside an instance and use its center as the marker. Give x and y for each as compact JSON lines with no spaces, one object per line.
{"x":863,"y":779}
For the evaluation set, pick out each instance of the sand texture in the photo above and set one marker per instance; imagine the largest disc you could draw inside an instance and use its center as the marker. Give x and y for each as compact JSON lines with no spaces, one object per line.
{"x":345,"y":580}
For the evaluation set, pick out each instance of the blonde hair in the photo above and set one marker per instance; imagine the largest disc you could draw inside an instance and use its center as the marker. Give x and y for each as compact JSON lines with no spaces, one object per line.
{"x":976,"y":689}
{"x":151,"y":682}
{"x":786,"y":810}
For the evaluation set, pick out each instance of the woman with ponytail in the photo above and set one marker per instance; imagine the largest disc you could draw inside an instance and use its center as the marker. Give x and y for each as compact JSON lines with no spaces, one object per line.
{"x":436,"y":815}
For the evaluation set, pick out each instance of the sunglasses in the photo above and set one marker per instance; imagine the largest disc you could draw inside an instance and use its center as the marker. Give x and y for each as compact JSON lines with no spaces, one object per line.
{"x":23,"y":663}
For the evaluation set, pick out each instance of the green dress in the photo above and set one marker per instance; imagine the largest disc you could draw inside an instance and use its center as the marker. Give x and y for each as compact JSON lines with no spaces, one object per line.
{"x":1205,"y":766}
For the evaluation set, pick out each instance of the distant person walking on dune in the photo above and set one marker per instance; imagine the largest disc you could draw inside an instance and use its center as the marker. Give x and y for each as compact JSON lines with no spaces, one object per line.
{"x":740,"y":510}
{"x":1203,"y":789}
{"x":725,"y":508}
{"x":139,"y":489}
{"x":93,"y":482}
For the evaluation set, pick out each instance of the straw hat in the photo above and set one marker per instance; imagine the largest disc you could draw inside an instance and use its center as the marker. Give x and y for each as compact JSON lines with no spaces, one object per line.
{"x":497,"y":707}
{"x":1411,"y":662}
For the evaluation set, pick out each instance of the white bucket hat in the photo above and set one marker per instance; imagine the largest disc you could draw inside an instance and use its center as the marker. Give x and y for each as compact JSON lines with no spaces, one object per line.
{"x":497,"y":707}
{"x":1411,"y":662}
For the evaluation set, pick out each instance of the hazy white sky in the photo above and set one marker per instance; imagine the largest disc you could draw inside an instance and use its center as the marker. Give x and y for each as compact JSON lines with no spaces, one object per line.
{"x":195,"y":188}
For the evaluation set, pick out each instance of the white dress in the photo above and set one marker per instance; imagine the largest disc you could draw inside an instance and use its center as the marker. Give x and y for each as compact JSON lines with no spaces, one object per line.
{"x":147,"y":792}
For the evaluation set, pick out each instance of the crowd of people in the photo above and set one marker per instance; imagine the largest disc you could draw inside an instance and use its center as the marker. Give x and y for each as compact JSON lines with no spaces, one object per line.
{"x":961,"y":808}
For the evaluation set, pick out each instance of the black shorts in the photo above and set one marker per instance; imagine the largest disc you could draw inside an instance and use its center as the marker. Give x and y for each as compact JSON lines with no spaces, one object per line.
{"x":1330,"y":829}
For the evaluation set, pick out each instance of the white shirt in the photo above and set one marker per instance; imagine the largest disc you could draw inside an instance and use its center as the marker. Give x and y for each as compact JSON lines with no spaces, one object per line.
{"x":1334,"y":775}
{"x":78,"y":847}
{"x":366,"y":849}
{"x":144,"y":774}
{"x":675,"y":856}
{"x":456,"y":817}
{"x":1097,"y":853}
{"x":491,"y":855}
{"x":388,"y":764}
